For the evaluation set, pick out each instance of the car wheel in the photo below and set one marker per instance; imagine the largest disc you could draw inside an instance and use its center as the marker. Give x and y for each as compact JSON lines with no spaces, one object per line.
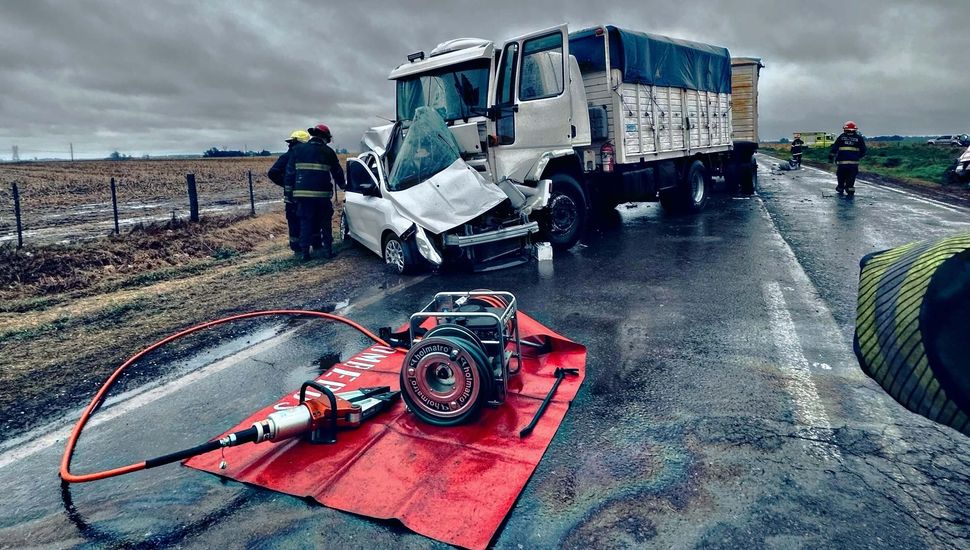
{"x":400,"y":256}
{"x":562,"y":220}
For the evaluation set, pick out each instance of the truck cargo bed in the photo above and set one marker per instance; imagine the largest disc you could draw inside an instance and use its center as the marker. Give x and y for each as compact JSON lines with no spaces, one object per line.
{"x":684,"y":108}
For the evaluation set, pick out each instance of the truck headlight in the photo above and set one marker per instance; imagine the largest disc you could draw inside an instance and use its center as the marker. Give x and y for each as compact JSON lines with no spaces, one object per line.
{"x":425,"y":247}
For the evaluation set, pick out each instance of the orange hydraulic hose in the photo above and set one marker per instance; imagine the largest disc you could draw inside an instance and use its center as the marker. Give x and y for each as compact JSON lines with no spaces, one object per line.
{"x":65,"y":470}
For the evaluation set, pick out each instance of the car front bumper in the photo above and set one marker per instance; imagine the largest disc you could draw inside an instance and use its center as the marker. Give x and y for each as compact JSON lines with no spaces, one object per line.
{"x":464,"y":241}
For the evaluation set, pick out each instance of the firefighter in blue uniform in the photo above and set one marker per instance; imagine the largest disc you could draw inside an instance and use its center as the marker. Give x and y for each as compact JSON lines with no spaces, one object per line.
{"x":312,"y":169}
{"x":277,"y":174}
{"x":847,"y":151}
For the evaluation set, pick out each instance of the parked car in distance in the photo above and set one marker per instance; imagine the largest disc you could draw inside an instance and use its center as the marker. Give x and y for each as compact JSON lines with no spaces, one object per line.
{"x":954,"y":140}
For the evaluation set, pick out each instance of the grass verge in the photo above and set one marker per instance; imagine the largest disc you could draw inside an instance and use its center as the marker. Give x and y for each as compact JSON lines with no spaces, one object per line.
{"x":83,"y":310}
{"x":910,"y":162}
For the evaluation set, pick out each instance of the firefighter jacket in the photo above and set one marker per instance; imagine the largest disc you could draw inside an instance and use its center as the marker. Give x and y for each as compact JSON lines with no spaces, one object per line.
{"x":312,"y":169}
{"x":848,"y":148}
{"x":797,"y":146}
{"x":277,"y":175}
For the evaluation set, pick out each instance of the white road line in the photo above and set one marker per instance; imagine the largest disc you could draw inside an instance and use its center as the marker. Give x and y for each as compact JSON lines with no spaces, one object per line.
{"x":19,"y":448}
{"x":914,"y":196}
{"x":813,"y":420}
{"x":874,"y":404}
{"x":135,"y":399}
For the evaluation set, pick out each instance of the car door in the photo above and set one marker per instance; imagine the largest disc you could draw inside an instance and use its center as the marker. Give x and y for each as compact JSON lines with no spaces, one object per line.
{"x":532,"y":103}
{"x":367,"y":213}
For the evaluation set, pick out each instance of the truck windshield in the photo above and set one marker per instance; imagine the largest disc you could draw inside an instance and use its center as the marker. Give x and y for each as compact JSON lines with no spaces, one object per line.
{"x":456,"y":92}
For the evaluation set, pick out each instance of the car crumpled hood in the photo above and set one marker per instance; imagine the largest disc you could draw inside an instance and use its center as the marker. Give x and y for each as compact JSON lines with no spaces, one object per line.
{"x":448,"y":199}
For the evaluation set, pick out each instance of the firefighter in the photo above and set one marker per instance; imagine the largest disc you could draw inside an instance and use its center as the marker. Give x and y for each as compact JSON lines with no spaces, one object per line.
{"x":277,"y":174}
{"x":797,"y":147}
{"x":847,"y":151}
{"x":312,"y":169}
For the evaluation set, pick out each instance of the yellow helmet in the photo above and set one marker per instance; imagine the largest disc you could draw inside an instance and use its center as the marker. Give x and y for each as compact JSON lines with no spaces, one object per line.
{"x":299,"y":135}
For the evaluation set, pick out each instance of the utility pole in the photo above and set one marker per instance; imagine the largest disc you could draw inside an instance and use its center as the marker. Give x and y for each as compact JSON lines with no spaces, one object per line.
{"x":72,"y":152}
{"x":16,"y":154}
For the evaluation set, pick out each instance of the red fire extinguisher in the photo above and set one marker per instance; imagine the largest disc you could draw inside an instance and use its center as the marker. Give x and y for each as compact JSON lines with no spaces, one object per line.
{"x":606,"y":157}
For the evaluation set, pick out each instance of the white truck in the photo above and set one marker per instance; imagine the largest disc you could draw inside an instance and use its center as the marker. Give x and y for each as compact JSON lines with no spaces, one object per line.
{"x":605,"y":114}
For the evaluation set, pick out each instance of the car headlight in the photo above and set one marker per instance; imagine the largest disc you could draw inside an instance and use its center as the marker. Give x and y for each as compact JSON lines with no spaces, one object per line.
{"x":425,"y":247}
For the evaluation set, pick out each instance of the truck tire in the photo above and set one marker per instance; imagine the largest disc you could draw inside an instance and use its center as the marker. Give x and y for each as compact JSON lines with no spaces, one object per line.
{"x":400,"y":256}
{"x":564,"y":218}
{"x":690,"y":195}
{"x":748,"y":177}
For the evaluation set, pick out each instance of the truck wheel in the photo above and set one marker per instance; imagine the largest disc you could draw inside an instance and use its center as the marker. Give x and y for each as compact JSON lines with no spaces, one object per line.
{"x":748,"y":176}
{"x":400,"y":256}
{"x":564,"y":218}
{"x":691,"y":194}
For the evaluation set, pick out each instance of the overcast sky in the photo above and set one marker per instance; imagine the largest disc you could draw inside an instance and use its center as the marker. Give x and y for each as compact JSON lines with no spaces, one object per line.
{"x":179,"y":77}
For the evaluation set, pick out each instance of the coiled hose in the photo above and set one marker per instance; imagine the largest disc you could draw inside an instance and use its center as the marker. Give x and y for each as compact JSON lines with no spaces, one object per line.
{"x":99,"y":397}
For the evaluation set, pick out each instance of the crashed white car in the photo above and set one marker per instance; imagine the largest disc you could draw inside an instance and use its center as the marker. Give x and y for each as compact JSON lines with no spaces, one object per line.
{"x":412,"y":199}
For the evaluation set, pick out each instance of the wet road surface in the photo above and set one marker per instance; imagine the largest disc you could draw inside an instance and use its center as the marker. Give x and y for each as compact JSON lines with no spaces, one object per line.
{"x":723,"y":406}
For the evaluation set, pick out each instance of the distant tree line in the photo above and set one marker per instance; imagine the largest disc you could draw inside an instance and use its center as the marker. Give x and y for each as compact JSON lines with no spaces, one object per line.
{"x":215,"y":152}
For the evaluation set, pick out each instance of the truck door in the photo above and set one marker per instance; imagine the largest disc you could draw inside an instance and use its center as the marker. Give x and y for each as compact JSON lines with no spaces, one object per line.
{"x":532,"y":101}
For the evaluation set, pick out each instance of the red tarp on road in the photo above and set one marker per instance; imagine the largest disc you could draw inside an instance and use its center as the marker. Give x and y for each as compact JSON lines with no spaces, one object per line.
{"x":431,"y":479}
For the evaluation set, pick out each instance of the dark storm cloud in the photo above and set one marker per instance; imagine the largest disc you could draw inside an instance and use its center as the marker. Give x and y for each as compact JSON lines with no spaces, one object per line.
{"x":181,"y":77}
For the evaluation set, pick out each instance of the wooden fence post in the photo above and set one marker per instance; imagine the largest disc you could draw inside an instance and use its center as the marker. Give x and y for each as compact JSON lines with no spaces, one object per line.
{"x":252,"y":198}
{"x":193,"y":198}
{"x":16,"y":212}
{"x":114,"y":205}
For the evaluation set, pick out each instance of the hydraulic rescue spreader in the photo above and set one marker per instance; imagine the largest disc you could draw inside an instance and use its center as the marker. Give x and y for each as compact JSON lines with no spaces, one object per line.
{"x":460,"y":352}
{"x":317,"y":419}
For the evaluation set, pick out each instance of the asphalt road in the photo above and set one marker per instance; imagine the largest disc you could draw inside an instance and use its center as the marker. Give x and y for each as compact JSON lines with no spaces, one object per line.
{"x":723,"y":406}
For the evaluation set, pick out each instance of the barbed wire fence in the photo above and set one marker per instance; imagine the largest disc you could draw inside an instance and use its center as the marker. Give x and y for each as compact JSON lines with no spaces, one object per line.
{"x":55,"y":224}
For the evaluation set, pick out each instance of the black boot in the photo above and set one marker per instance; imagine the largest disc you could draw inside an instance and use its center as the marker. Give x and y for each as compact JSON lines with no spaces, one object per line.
{"x":305,"y":255}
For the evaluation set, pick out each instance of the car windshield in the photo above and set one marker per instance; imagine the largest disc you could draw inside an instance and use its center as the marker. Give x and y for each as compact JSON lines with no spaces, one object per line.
{"x":456,"y":92}
{"x":428,"y":148}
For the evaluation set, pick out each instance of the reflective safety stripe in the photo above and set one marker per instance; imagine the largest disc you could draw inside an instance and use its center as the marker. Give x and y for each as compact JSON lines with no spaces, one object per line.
{"x":848,"y":162}
{"x":308,"y":194}
{"x":856,"y":149}
{"x":889,"y":338}
{"x":312,"y":166}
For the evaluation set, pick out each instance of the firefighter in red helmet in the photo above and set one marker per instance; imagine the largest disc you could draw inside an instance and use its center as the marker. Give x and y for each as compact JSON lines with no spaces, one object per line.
{"x":847,"y":151}
{"x":312,"y":169}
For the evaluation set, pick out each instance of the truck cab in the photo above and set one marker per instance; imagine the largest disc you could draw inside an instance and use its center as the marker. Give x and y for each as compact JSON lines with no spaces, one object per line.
{"x":604,"y":115}
{"x":513,"y":109}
